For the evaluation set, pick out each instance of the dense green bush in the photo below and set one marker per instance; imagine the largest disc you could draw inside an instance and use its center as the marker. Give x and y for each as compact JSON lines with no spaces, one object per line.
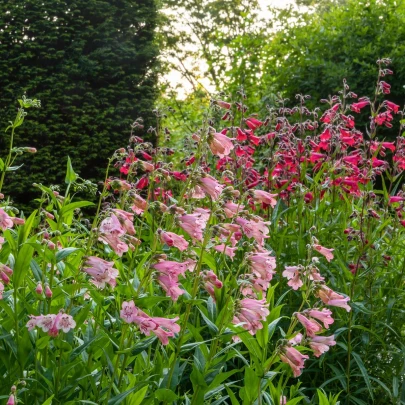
{"x":93,"y":63}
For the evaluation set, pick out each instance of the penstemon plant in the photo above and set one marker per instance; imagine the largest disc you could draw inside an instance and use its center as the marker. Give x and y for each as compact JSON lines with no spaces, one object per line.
{"x":265,"y":267}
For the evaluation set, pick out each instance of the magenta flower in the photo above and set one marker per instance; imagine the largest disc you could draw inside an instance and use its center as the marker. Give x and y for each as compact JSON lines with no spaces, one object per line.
{"x":1,"y":290}
{"x":116,"y":244}
{"x":128,"y":311}
{"x":321,"y":344}
{"x":5,"y":272}
{"x":210,"y":281}
{"x":294,"y":359}
{"x":11,"y":400}
{"x":171,"y":239}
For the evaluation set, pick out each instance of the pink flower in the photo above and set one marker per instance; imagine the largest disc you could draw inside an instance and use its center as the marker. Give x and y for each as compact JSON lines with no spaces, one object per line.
{"x":220,"y":144}
{"x":128,"y":311}
{"x":6,"y":221}
{"x":324,"y":316}
{"x":101,"y":272}
{"x":172,"y":268}
{"x":5,"y":272}
{"x":294,"y":359}
{"x":163,"y":328}
{"x":48,"y":292}
{"x":228,"y":251}
{"x":263,"y":265}
{"x":210,"y":186}
{"x":210,"y":281}
{"x":250,"y":312}
{"x":324,"y":251}
{"x":231,"y":209}
{"x":321,"y":344}
{"x":172,"y":239}
{"x":139,"y":204}
{"x":311,"y":326}
{"x":330,"y":297}
{"x":223,"y":104}
{"x":39,"y":289}
{"x":11,"y":400}
{"x":1,"y":290}
{"x":115,"y":243}
{"x":112,"y":226}
{"x":254,"y":229}
{"x":171,"y":286}
{"x":195,"y":223}
{"x":65,"y":323}
{"x":265,"y":197}
{"x":126,"y":220}
{"x":293,"y":274}
{"x":395,"y":198}
{"x":296,"y":340}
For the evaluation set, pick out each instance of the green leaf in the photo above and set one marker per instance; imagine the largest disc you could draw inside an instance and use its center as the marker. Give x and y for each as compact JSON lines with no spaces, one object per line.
{"x":63,"y":253}
{"x":75,"y":205}
{"x":135,"y":400}
{"x":363,"y":371}
{"x":71,"y":176}
{"x":22,"y":262}
{"x":164,"y":394}
{"x":48,"y":401}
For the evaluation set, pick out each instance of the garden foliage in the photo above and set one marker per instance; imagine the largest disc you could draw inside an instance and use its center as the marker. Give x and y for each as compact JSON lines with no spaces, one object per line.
{"x":92,"y":63}
{"x":264,"y":268}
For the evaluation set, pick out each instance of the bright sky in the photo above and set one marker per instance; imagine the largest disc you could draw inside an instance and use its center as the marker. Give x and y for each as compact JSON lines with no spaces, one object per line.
{"x":175,"y":77}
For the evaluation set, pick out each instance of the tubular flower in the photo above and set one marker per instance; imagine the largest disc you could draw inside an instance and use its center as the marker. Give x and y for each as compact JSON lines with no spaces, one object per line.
{"x":171,"y":239}
{"x":163,"y":328}
{"x":220,"y":144}
{"x":139,"y":204}
{"x":293,"y":274}
{"x":211,"y":280}
{"x":324,"y":251}
{"x":294,"y":359}
{"x":250,"y":312}
{"x":323,"y":315}
{"x":262,"y":265}
{"x":226,"y":250}
{"x":265,"y":197}
{"x":101,"y":272}
{"x":311,"y":326}
{"x":231,"y":209}
{"x":194,"y":223}
{"x":211,"y":187}
{"x":170,"y":284}
{"x":321,"y":344}
{"x":254,"y":229}
{"x":330,"y":297}
{"x":126,"y":220}
{"x":52,"y":323}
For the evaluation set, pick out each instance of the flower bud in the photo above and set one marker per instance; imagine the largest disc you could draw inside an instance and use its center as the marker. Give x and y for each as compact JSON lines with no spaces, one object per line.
{"x":39,"y":289}
{"x":48,"y":292}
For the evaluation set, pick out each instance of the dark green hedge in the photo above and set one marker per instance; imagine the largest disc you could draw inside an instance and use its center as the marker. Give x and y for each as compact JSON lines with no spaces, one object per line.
{"x":92,"y":63}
